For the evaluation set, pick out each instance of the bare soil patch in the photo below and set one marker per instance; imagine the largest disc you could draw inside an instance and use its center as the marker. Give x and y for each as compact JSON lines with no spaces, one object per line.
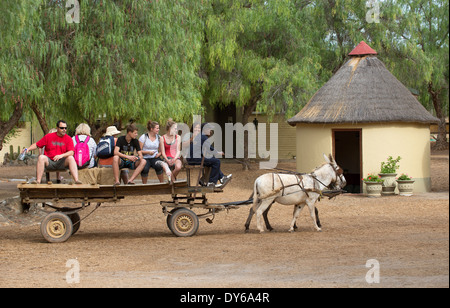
{"x":128,"y":244}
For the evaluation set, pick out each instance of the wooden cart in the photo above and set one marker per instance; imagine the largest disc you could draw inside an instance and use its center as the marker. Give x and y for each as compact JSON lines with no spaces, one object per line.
{"x":63,"y":221}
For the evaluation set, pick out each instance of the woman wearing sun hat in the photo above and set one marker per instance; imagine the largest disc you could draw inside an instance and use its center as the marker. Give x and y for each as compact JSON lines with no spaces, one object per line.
{"x":110,"y":131}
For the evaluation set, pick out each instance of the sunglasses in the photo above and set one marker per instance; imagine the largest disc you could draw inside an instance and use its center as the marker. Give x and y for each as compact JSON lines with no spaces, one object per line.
{"x":63,"y":127}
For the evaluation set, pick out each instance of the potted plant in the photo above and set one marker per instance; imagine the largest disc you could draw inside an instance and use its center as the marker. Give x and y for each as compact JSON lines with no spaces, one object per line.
{"x":388,"y":174}
{"x":373,"y":185}
{"x":405,"y":185}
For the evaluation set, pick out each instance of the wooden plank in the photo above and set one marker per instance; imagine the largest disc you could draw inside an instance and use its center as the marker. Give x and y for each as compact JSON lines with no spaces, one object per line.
{"x":87,"y":192}
{"x":57,"y":186}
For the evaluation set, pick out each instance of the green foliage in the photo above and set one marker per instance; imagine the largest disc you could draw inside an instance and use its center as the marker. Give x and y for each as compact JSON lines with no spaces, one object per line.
{"x":141,"y":60}
{"x":391,"y":165}
{"x":404,"y":177}
{"x":373,"y":178}
{"x":260,"y":54}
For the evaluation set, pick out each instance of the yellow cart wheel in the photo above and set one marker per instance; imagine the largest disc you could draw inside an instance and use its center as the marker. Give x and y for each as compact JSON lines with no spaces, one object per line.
{"x":183,"y":222}
{"x":56,"y":227}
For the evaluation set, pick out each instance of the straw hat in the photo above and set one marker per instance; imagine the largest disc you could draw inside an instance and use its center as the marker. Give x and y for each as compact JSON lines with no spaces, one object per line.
{"x":111,"y":131}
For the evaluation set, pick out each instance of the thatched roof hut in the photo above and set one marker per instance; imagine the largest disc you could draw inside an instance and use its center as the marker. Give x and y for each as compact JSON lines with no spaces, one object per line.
{"x":363,"y":91}
{"x":362,"y":115}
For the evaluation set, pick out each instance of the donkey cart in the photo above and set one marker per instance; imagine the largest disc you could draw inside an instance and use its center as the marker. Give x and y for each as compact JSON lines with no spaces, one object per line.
{"x":63,"y":221}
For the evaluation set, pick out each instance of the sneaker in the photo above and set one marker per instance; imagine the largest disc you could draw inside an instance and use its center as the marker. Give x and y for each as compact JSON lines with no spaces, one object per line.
{"x":225,"y":178}
{"x":210,"y":184}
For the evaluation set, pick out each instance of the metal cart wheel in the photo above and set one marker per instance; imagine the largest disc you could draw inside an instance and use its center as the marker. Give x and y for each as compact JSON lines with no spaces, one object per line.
{"x":56,"y":227}
{"x":183,"y":222}
{"x":76,"y":220}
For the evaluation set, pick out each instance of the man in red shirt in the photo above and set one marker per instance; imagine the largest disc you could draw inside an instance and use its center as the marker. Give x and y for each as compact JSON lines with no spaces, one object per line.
{"x":58,"y":153}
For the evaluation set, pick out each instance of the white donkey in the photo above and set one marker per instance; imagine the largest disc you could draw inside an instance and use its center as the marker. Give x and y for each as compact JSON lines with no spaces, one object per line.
{"x":299,"y":190}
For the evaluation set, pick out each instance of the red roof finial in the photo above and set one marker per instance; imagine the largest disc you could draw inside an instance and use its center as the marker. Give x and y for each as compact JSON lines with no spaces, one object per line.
{"x":362,"y":49}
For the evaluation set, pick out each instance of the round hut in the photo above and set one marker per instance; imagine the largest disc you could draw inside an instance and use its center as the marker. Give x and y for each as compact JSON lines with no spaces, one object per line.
{"x":362,"y":115}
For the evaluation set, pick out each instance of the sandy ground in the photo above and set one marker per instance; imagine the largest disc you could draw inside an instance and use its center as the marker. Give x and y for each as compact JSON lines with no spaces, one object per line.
{"x":128,"y":244}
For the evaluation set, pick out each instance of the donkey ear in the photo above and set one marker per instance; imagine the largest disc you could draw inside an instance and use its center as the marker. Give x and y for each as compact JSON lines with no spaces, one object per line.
{"x":331,"y":158}
{"x":326,"y":158}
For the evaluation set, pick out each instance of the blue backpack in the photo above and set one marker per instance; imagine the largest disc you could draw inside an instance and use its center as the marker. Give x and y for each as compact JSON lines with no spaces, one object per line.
{"x":105,"y":147}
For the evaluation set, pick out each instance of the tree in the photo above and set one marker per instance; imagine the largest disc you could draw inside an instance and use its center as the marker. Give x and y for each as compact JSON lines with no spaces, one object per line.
{"x":19,"y":80}
{"x":259,"y":55}
{"x":418,"y":49}
{"x":411,"y":37}
{"x":124,"y":60}
{"x":135,"y":60}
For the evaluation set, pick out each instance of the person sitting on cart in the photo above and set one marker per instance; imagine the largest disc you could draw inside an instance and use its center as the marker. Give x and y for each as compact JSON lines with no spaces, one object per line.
{"x":58,"y":153}
{"x":149,"y":143}
{"x":170,"y":148}
{"x":200,"y":148}
{"x":124,"y":155}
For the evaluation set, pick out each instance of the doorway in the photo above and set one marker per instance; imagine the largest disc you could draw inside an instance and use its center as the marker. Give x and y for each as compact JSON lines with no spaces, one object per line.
{"x":348,"y":154}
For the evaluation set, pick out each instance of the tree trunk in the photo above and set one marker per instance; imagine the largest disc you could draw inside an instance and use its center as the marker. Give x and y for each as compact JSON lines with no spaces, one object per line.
{"x":41,"y":118}
{"x":441,"y":141}
{"x":7,"y":126}
{"x":247,"y":113}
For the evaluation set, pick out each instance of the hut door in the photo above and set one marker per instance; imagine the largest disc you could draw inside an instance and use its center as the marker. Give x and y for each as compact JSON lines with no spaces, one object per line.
{"x":347,"y":153}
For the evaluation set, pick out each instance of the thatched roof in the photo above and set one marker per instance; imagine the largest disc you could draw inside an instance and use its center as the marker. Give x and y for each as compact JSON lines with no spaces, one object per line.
{"x":363,"y":91}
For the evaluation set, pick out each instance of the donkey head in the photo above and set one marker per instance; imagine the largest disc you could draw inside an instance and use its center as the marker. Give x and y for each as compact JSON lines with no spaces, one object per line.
{"x":339,"y":179}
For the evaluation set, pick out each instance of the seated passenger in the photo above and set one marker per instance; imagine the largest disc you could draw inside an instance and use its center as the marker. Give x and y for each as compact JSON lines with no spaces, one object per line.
{"x":196,"y":154}
{"x":58,"y":153}
{"x":125,"y":157}
{"x":82,"y":133}
{"x":170,"y":148}
{"x":149,"y":143}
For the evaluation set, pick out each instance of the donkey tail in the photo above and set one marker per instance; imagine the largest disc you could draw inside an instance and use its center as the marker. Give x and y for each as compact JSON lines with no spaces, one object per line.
{"x":255,"y":195}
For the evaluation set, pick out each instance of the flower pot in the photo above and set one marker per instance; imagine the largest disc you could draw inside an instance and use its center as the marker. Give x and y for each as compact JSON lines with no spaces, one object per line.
{"x":405,"y":187}
{"x":373,"y":189}
{"x":388,"y":183}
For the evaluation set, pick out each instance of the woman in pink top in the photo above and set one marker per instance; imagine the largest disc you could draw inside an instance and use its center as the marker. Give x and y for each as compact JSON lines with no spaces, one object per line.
{"x":171,"y":148}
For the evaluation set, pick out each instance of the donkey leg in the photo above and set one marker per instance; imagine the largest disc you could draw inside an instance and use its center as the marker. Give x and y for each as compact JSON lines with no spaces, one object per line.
{"x":297,"y":209}
{"x":317,"y":217}
{"x":312,"y":212}
{"x":293,"y":214}
{"x":259,"y":212}
{"x":249,"y":219}
{"x":266,"y":219}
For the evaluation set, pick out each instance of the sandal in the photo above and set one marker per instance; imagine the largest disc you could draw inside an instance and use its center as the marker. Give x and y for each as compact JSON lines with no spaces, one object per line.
{"x":131,"y":183}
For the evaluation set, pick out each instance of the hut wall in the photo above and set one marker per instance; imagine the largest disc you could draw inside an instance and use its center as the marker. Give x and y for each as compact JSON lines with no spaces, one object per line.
{"x":22,"y":139}
{"x":407,"y":140}
{"x":286,"y":135}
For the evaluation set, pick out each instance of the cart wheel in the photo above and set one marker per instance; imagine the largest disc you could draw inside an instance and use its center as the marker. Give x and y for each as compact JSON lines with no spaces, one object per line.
{"x":169,"y":217}
{"x":76,"y":220}
{"x":183,"y":223}
{"x":56,"y":227}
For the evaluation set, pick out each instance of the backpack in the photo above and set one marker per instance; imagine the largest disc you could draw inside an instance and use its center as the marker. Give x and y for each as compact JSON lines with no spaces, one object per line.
{"x":105,"y":147}
{"x":81,"y":155}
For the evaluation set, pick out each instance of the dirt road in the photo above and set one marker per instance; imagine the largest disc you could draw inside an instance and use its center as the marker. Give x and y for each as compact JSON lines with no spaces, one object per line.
{"x":129,"y":245}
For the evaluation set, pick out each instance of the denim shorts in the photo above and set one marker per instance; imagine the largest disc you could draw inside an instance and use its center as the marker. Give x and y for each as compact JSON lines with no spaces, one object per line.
{"x":126,"y":164}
